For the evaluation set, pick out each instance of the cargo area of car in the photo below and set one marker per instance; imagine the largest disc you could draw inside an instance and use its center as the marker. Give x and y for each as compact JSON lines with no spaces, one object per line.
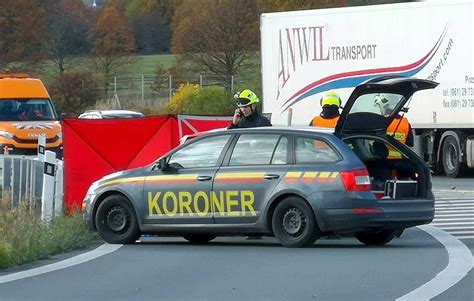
{"x":395,"y":178}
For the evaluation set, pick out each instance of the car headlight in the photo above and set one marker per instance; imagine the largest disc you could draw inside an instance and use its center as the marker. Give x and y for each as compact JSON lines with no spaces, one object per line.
{"x":7,"y":135}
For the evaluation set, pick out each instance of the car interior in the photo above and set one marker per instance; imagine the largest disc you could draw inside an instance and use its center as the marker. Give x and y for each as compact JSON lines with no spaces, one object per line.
{"x":385,"y":173}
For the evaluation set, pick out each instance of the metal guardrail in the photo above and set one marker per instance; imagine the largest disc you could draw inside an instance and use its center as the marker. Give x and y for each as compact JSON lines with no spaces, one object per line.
{"x":22,"y":178}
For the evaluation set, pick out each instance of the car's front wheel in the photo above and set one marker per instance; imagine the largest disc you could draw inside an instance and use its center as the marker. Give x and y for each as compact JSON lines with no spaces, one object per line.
{"x":376,"y":237}
{"x":199,"y":238}
{"x":116,"y":221}
{"x":294,"y":224}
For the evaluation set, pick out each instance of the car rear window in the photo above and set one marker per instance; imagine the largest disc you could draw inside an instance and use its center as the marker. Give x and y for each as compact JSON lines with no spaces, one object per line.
{"x":315,"y":151}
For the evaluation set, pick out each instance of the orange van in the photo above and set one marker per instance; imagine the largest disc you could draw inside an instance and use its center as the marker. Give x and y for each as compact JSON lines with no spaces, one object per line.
{"x":26,"y":111}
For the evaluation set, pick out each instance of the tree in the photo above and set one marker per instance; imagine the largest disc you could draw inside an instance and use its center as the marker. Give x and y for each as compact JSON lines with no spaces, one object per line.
{"x":73,"y":92}
{"x":22,"y":29}
{"x":112,"y":43}
{"x":210,"y":101}
{"x":219,"y":36}
{"x":67,"y":31}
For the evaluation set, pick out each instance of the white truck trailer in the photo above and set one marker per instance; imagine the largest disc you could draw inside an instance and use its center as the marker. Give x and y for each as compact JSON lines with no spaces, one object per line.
{"x":306,"y":53}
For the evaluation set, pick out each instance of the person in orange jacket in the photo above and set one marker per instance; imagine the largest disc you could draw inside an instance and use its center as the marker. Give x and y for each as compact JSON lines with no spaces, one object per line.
{"x":330,"y":103}
{"x":399,"y":128}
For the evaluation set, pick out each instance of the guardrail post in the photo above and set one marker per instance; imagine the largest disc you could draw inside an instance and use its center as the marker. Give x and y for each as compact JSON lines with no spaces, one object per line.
{"x":58,"y":189}
{"x":47,"y":197}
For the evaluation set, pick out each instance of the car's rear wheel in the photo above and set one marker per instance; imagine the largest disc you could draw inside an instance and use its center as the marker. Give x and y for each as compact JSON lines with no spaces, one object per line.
{"x":116,"y":221}
{"x":199,"y":238}
{"x":294,"y":224}
{"x":376,"y":237}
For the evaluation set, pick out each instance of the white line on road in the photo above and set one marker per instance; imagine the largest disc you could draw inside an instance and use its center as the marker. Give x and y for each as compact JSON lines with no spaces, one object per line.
{"x":81,"y":258}
{"x":467,"y":215}
{"x":466,"y":237}
{"x":457,"y":210}
{"x":454,"y":201}
{"x":459,"y":264}
{"x":452,"y":232}
{"x":453,"y":221}
{"x":443,"y":207}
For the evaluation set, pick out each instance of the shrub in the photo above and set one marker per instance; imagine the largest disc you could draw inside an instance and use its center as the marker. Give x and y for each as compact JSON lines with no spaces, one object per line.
{"x":180,"y":98}
{"x":73,"y":92}
{"x":210,"y":101}
{"x":25,"y":238}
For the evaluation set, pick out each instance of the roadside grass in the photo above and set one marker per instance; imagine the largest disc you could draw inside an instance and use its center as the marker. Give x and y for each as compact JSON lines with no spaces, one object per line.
{"x":25,"y":238}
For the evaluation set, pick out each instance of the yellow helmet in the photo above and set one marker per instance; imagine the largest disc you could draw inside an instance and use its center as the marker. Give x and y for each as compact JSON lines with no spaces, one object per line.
{"x":245,"y":98}
{"x":330,"y":98}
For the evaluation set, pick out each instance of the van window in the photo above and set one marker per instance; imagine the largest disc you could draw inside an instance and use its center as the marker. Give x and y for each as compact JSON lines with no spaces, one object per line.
{"x":26,"y":110}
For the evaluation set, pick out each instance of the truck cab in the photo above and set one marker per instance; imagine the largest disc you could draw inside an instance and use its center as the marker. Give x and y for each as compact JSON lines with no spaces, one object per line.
{"x":26,"y":112}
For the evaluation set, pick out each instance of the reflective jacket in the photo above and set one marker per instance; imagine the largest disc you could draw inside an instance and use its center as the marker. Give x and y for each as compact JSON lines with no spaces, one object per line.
{"x":400,"y":129}
{"x":323,"y":122}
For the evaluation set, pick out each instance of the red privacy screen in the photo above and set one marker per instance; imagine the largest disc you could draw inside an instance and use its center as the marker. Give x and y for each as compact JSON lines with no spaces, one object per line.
{"x":94,"y":148}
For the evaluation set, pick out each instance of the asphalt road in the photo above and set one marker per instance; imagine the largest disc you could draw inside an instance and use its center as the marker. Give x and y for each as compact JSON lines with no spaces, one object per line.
{"x":233,"y":268}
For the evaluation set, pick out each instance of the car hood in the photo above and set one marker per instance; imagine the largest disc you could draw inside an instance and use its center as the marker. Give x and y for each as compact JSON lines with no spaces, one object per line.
{"x":31,"y":129}
{"x":358,"y":115}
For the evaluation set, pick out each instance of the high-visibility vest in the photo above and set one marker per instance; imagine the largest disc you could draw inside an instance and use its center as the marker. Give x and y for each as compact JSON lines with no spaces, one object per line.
{"x":402,"y":128}
{"x":325,"y":123}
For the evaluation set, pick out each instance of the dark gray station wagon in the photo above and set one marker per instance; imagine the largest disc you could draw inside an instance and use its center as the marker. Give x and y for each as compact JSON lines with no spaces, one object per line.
{"x":295,"y":184}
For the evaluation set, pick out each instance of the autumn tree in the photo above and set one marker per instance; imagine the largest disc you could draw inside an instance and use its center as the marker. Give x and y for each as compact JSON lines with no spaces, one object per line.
{"x":219,"y":36}
{"x":150,"y":21}
{"x":112,"y":43}
{"x":22,"y":28}
{"x":68,"y":25}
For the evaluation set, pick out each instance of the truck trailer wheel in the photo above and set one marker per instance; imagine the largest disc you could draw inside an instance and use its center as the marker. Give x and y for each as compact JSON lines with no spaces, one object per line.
{"x":450,"y":157}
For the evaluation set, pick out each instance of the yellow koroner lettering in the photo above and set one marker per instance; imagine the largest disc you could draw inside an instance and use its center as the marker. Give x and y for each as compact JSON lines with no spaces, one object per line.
{"x":197,"y":196}
{"x":153,"y":203}
{"x":185,"y":200}
{"x":166,"y":196}
{"x":218,"y":203}
{"x":232,"y":202}
{"x":247,"y":198}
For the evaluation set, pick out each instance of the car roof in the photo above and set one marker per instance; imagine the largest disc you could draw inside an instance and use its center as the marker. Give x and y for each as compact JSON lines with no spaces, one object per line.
{"x":111,"y":113}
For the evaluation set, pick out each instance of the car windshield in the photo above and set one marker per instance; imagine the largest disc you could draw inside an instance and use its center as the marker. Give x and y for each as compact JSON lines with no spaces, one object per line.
{"x":26,"y":110}
{"x":377,"y":103}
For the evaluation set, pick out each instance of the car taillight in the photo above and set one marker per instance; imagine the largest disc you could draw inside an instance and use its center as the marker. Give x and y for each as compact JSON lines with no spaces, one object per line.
{"x":356,"y":180}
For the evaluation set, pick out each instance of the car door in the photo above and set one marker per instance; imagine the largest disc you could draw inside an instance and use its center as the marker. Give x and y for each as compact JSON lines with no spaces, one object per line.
{"x":250,"y":173}
{"x":180,"y":193}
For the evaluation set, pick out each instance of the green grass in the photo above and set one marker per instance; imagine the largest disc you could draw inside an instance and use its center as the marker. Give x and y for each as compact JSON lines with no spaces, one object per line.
{"x":144,"y":64}
{"x":25,"y":238}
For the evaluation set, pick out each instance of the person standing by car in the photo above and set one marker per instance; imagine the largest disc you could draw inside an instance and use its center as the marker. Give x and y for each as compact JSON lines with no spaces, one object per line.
{"x":247,"y":115}
{"x":330,"y":103}
{"x":399,"y":128}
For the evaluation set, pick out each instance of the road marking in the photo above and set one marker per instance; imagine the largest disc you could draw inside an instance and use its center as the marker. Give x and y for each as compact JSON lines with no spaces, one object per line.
{"x":437,"y":216}
{"x":460,"y":263}
{"x":441,"y":207}
{"x":81,"y":258}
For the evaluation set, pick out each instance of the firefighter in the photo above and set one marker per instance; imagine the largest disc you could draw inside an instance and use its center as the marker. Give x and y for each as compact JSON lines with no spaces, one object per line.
{"x":399,"y":128}
{"x":330,"y":103}
{"x":247,"y":115}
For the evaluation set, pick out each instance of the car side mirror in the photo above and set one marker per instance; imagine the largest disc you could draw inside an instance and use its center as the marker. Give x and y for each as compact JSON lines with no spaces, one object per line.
{"x":163,"y":163}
